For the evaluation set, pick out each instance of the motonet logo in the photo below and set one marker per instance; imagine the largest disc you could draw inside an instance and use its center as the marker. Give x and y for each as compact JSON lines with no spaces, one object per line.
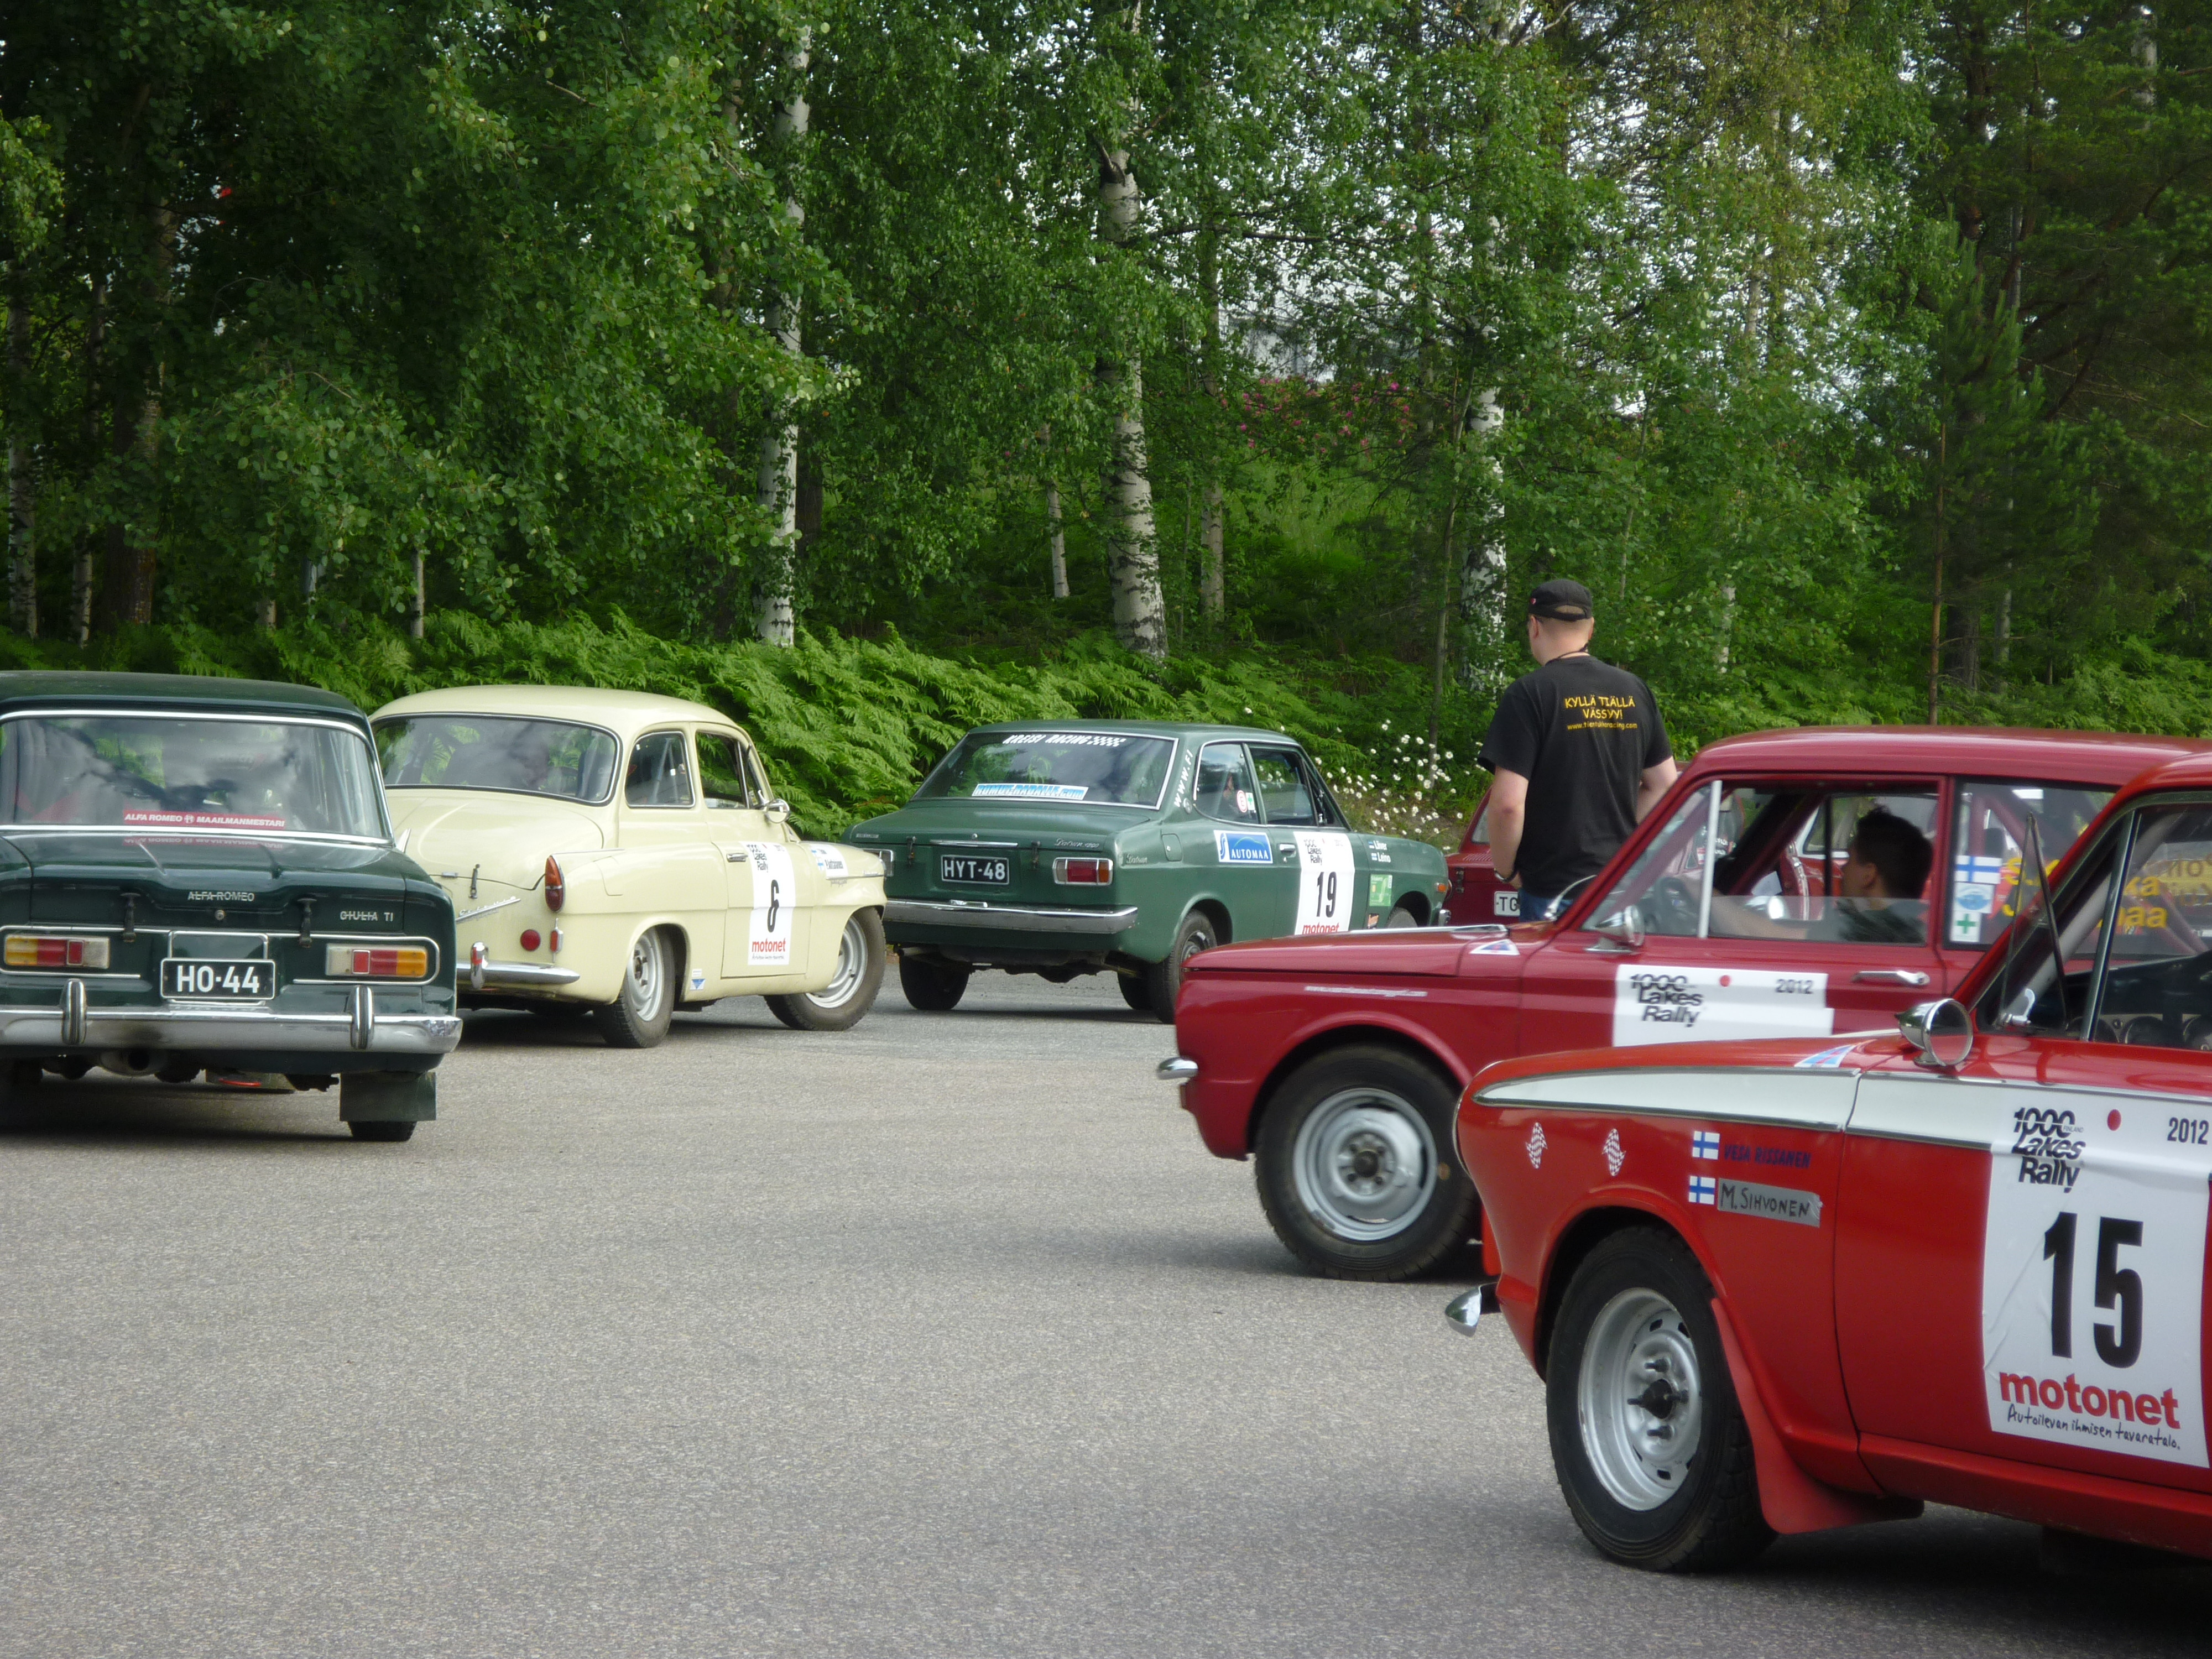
{"x":771,"y":947}
{"x":2095,"y":1410}
{"x":1666,"y":999}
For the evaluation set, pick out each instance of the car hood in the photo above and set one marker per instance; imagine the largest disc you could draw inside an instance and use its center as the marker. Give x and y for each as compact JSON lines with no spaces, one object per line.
{"x":1084,"y":828}
{"x":1431,"y":952}
{"x":508,"y":836}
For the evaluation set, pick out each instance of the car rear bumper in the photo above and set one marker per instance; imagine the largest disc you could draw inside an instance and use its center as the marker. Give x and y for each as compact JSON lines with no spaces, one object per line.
{"x":360,"y":1031}
{"x":979,"y":917}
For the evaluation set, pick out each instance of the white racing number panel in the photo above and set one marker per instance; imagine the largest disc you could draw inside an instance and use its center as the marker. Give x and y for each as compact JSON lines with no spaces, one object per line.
{"x":775,"y":892}
{"x":1326,"y":897}
{"x":2093,"y":1272}
{"x":1653,"y":1002}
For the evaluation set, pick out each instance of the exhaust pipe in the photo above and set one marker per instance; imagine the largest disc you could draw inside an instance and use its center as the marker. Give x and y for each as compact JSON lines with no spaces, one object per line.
{"x":133,"y":1062}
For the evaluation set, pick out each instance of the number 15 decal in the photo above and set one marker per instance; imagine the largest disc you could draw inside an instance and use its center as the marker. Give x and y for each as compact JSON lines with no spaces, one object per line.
{"x":2093,"y":1279}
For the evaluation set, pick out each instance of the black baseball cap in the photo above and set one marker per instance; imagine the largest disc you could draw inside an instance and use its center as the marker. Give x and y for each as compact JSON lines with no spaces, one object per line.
{"x":1562,"y":601}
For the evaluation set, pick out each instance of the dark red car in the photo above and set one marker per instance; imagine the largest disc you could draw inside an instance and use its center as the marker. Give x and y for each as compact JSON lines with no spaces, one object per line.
{"x":1965,"y":1265}
{"x":1477,"y":896}
{"x":1336,"y":1062}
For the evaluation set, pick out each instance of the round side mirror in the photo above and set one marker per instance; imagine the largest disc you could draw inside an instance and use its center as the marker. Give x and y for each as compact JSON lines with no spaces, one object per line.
{"x":1942,"y":1033}
{"x":779,"y":810}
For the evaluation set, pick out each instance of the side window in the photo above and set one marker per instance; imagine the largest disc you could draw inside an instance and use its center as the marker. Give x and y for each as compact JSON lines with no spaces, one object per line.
{"x":1986,"y":838}
{"x":1225,"y":789}
{"x":1286,"y":792}
{"x":756,"y":780}
{"x":659,"y":771}
{"x":1838,"y":866}
{"x":722,"y":770}
{"x":1663,"y":891}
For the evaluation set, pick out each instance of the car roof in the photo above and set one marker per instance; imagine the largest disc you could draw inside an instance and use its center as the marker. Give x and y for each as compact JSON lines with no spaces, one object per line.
{"x":28,"y":688}
{"x":1146,"y":728}
{"x":592,"y":704}
{"x":2189,"y":772}
{"x":2094,"y":757}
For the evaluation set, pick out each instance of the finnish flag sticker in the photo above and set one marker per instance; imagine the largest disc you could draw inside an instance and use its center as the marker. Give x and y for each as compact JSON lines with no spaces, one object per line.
{"x":1703,"y":1189}
{"x":1705,"y":1143}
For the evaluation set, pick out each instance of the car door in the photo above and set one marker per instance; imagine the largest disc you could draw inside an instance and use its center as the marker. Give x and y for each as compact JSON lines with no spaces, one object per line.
{"x":1252,"y":867}
{"x":2042,"y":1211}
{"x":1741,"y":941}
{"x":1477,"y":894}
{"x":772,"y":901}
{"x":1328,"y":896}
{"x":669,"y":864}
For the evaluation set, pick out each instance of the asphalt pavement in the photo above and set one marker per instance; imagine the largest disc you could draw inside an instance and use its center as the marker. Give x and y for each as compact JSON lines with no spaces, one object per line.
{"x":942,"y":1336}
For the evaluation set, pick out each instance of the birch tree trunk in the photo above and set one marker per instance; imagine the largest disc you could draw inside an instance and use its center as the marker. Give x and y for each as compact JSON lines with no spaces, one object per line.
{"x":22,"y":480}
{"x":1056,"y":533}
{"x":779,"y":451}
{"x":1133,"y":560}
{"x":420,"y":605}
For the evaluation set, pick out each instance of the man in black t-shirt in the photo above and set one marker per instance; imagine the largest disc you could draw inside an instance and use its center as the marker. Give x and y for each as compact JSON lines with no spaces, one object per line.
{"x":1577,"y":754}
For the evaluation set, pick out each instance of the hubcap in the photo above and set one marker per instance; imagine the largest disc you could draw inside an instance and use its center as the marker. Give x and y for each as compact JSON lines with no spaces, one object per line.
{"x":645,"y":974}
{"x":1365,"y":1164}
{"x":1638,"y":1398}
{"x":852,"y":957}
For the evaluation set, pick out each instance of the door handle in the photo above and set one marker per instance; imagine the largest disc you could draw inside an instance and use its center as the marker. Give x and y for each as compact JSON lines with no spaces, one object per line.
{"x":1912,"y":976}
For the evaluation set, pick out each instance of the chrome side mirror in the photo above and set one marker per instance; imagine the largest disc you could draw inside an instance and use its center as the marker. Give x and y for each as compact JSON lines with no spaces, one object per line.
{"x":1624,"y":929}
{"x":1941,"y":1033}
{"x":779,"y":810}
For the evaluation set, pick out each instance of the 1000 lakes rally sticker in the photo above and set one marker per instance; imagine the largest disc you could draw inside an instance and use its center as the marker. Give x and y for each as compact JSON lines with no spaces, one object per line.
{"x":2092,"y":1274}
{"x":775,"y":892}
{"x":1655,"y":1004}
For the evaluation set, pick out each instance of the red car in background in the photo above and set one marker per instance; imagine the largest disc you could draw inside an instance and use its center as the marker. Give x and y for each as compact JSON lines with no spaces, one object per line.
{"x":1336,"y":1062}
{"x":1477,"y":896}
{"x":1965,"y":1266}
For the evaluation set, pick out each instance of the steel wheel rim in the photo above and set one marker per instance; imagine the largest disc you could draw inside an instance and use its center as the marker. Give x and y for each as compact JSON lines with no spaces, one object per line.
{"x":852,"y":956}
{"x":1640,"y":1400}
{"x":645,"y":975}
{"x":1365,"y":1164}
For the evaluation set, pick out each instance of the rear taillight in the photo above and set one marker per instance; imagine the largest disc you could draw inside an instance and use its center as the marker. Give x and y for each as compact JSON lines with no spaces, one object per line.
{"x":46,"y":950}
{"x":556,"y":891}
{"x":1082,"y":873}
{"x":376,"y":961}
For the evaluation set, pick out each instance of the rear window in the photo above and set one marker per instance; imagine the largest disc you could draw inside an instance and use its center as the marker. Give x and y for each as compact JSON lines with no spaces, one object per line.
{"x":485,"y":751}
{"x":1112,"y":769}
{"x":180,"y":771}
{"x":1986,"y":843}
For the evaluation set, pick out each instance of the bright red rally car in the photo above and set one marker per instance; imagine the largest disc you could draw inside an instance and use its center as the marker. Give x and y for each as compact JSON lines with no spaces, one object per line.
{"x":1784,"y":1286}
{"x":1731,"y":912}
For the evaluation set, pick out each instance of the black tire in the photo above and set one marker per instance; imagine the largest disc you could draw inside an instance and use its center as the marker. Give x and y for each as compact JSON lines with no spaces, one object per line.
{"x":382,"y":1131}
{"x":1356,"y":1166}
{"x":840,"y":1005}
{"x":178,"y":1070}
{"x":639,"y":1017}
{"x":1163,"y":979}
{"x":1639,"y":1305}
{"x":1137,"y":991}
{"x":1402,"y":914}
{"x":931,"y":986}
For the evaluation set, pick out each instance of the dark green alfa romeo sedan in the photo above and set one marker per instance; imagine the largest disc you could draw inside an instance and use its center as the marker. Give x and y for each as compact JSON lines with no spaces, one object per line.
{"x":198,"y":875}
{"x":1062,"y":848}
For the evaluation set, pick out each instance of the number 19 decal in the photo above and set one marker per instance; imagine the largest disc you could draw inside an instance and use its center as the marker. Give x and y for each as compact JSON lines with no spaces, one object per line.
{"x":1325,"y":885}
{"x":2093,"y":1275}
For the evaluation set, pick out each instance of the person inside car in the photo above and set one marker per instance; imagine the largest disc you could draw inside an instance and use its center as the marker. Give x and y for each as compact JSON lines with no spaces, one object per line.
{"x":1877,"y":898}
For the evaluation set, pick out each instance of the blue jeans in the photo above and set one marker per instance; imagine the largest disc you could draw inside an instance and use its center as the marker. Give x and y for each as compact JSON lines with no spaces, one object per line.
{"x":1540,"y":907}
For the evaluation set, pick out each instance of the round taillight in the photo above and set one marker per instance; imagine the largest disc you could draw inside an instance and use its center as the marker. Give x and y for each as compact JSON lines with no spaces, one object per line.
{"x":530,"y":938}
{"x":555,"y":892}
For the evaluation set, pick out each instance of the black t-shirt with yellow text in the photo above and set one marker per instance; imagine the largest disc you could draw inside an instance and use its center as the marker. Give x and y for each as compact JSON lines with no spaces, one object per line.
{"x":1582,"y":732}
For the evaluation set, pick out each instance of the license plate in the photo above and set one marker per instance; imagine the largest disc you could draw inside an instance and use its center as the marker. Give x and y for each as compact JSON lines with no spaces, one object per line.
{"x":1507,"y":903}
{"x":202,"y":979}
{"x":965,"y":867}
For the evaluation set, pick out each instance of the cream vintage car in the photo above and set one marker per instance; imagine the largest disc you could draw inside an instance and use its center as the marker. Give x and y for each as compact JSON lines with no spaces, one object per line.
{"x":621,"y":854}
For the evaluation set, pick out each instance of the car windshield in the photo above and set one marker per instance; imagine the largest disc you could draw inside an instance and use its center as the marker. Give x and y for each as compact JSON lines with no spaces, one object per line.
{"x":483,"y":751}
{"x":132,"y":771}
{"x":1117,"y":768}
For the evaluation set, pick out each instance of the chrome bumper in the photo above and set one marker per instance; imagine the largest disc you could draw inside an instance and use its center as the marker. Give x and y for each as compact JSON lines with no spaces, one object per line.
{"x":1007,"y":918}
{"x":483,"y":974}
{"x":1176,"y":1068}
{"x":230,"y":1028}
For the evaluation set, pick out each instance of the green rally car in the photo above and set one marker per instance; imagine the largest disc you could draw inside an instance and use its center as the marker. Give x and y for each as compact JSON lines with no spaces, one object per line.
{"x":198,"y":875}
{"x":1061,"y":848}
